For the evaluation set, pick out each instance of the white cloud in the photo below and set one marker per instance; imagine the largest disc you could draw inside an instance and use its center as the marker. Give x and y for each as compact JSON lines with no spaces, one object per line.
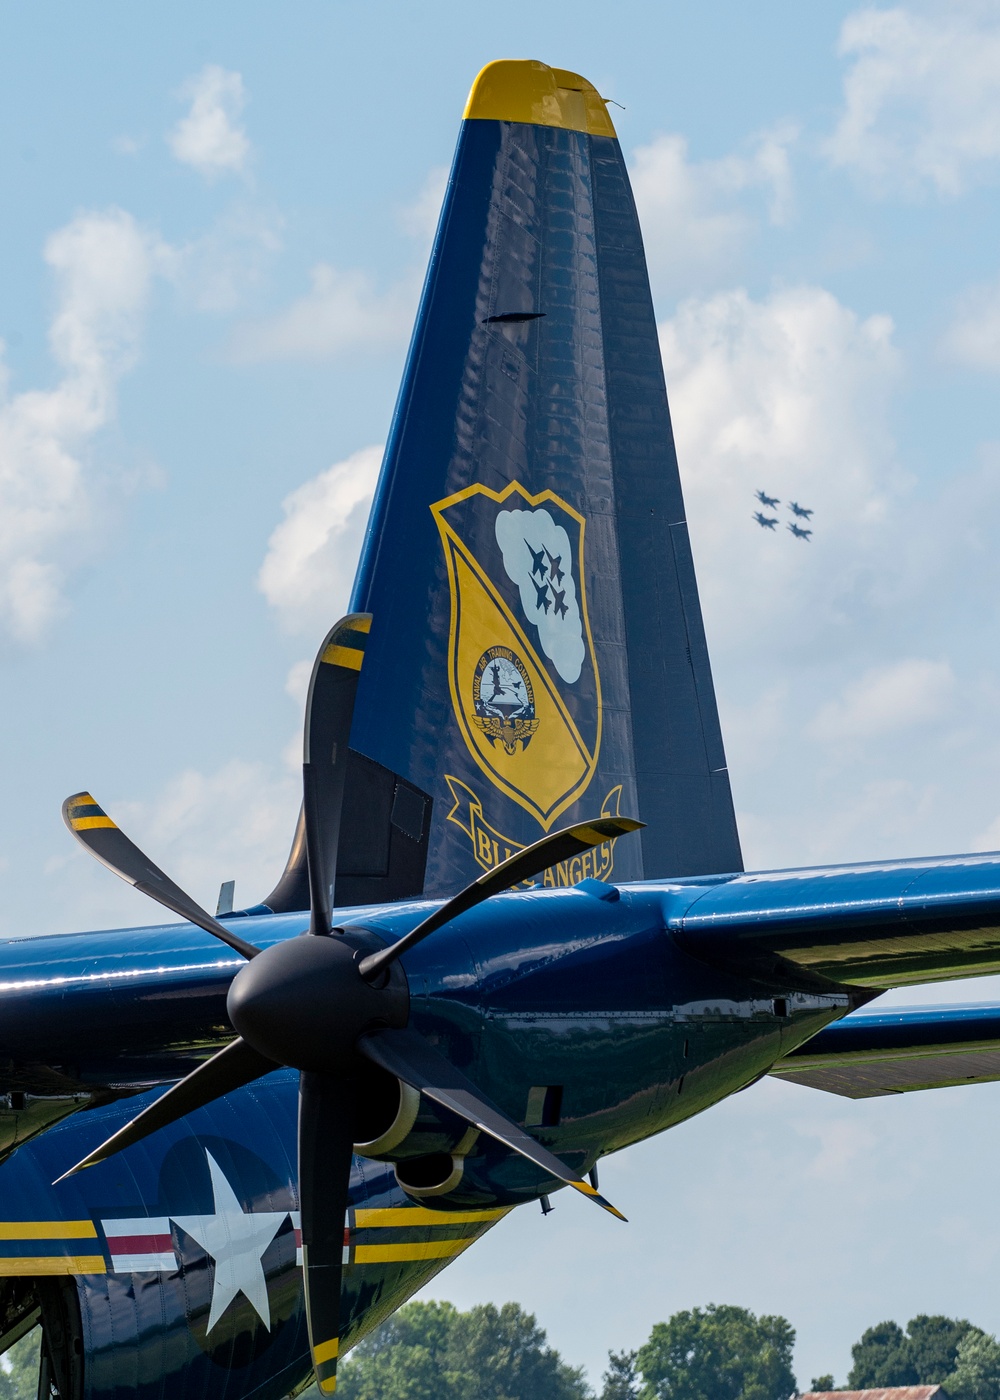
{"x":235,"y":823}
{"x":419,"y":218}
{"x":102,"y":265}
{"x":788,"y":394}
{"x":214,"y":271}
{"x":343,"y":311}
{"x":312,"y":555}
{"x":128,"y":145}
{"x":693,"y":221}
{"x":887,"y":699}
{"x":973,"y":338}
{"x":210,"y":138}
{"x":921,"y":97}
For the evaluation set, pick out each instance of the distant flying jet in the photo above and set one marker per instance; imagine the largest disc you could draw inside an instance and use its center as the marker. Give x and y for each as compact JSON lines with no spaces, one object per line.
{"x":542,"y":599}
{"x":768,"y":522}
{"x":798,"y":510}
{"x":769,"y":501}
{"x":798,"y":531}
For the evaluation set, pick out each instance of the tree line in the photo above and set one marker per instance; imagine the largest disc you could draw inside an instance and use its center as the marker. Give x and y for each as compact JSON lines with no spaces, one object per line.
{"x":433,"y":1351}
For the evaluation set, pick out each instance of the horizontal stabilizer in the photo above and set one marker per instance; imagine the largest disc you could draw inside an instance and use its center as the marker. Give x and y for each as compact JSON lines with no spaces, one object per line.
{"x":873,"y":1053}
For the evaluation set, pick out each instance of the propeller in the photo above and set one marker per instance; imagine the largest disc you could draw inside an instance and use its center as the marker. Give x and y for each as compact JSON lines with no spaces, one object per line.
{"x":325,"y":1005}
{"x":106,"y":842}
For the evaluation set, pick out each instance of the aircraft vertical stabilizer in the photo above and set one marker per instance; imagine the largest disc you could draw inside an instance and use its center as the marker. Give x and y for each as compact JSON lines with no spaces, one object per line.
{"x":536,"y":653}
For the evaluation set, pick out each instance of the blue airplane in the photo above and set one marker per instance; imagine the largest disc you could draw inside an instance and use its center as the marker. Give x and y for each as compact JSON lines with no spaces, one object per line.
{"x":230,"y":1146}
{"x":765,"y":500}
{"x":766,"y":522}
{"x":798,"y":531}
{"x":800,"y":511}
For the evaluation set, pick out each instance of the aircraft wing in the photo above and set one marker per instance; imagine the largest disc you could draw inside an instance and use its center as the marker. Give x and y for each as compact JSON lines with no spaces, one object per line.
{"x":873,"y":1053}
{"x":875,"y":926}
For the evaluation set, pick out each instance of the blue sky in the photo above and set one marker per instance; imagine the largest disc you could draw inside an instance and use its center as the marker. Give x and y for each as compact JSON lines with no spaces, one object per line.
{"x":216,"y":221}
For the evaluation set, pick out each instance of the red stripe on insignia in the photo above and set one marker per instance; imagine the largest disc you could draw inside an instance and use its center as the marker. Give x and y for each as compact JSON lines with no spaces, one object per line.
{"x":140,"y":1244}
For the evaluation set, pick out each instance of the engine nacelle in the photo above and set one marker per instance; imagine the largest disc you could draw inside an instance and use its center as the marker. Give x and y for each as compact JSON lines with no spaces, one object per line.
{"x":399,"y":1124}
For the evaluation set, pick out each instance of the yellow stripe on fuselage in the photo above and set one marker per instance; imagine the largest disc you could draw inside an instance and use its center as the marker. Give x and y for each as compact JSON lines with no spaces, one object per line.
{"x":53,"y":1264}
{"x":419,"y":1215}
{"x":409,"y":1253}
{"x":47,"y":1230}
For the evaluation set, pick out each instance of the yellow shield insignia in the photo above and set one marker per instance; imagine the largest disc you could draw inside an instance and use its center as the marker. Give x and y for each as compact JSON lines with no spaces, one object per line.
{"x":522,"y":669}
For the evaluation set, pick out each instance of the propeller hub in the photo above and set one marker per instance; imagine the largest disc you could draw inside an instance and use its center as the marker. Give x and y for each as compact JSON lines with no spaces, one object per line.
{"x":304,"y":1003}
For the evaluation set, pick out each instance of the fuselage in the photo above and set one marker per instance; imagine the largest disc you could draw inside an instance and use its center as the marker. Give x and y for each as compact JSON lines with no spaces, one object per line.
{"x":595,"y":1016}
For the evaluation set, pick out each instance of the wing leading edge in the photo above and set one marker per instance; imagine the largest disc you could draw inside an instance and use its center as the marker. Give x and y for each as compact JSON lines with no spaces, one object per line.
{"x":875,"y":926}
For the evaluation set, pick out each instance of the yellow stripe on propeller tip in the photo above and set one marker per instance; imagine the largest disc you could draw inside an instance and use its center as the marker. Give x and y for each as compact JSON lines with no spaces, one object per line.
{"x":84,"y":813}
{"x":343,"y":656}
{"x":326,"y":1351}
{"x":585,"y":1189}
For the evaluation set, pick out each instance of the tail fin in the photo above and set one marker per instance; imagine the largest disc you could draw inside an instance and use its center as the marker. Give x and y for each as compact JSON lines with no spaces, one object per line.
{"x":537,"y":650}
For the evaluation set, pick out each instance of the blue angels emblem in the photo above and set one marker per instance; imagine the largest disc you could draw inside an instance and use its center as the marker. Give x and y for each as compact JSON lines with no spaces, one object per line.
{"x":522,"y":669}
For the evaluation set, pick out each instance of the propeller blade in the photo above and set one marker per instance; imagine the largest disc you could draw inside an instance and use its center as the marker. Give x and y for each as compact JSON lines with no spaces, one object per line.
{"x":95,"y":830}
{"x":409,"y":1057}
{"x":231,"y":1067}
{"x":550,"y":850}
{"x":326,"y":1121}
{"x":329,"y":710}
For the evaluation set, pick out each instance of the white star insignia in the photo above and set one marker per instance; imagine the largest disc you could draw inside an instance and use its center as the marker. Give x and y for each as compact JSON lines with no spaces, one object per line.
{"x":236,"y":1240}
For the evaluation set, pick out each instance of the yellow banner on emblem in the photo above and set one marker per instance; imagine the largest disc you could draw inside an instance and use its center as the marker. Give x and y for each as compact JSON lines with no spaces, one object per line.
{"x":490,"y":846}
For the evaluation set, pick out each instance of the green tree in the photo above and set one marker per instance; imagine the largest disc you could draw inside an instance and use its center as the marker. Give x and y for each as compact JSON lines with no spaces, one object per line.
{"x":404,"y":1359}
{"x":934,"y":1343}
{"x":822,"y":1383}
{"x":925,"y":1354}
{"x":431,"y":1351}
{"x":718,"y":1353}
{"x":20,"y":1382}
{"x":880,"y":1358}
{"x":977,"y":1368}
{"x":620,"y":1379}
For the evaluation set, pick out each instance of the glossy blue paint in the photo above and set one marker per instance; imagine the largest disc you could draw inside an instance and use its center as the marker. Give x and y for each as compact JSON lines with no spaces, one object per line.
{"x":908,"y":1028}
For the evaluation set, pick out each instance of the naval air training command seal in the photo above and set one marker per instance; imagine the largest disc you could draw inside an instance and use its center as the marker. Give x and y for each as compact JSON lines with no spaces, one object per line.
{"x":503,"y":699}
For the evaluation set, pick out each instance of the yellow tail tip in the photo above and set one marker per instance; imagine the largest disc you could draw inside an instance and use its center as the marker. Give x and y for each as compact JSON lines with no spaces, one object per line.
{"x":524,"y":90}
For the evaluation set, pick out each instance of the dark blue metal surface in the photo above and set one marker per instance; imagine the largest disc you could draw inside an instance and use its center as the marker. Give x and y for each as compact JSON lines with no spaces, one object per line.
{"x":907,"y":1028}
{"x":541,"y":220}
